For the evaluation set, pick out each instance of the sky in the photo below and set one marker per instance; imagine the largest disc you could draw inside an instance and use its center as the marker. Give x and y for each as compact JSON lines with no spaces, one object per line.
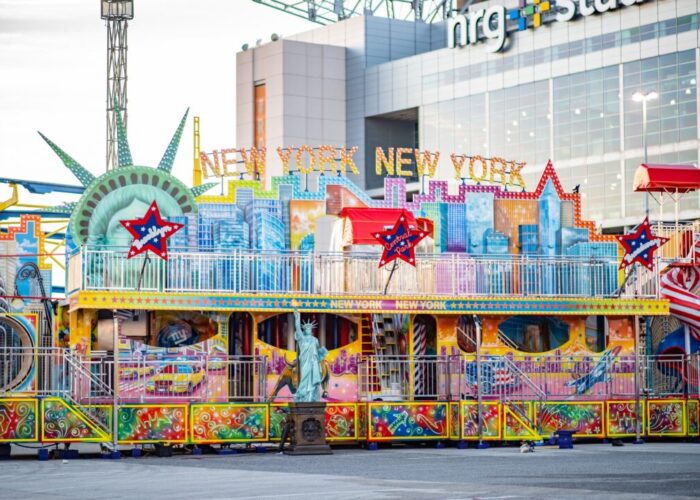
{"x":181,"y":53}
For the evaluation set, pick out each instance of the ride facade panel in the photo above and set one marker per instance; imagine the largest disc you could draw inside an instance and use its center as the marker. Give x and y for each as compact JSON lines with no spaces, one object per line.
{"x":505,"y":316}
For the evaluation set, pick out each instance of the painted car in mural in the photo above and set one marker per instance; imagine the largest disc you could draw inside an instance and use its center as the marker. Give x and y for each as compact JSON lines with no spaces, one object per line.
{"x":135,"y":371}
{"x":177,"y":379}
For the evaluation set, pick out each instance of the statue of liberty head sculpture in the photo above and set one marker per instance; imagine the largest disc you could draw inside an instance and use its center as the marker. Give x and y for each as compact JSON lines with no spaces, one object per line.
{"x":124,"y":192}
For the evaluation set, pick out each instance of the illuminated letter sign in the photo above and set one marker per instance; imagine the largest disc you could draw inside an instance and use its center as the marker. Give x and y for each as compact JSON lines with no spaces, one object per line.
{"x":492,"y":25}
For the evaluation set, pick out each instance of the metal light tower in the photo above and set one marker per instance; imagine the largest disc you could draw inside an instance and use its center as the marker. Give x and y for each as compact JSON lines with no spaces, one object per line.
{"x":116,"y":13}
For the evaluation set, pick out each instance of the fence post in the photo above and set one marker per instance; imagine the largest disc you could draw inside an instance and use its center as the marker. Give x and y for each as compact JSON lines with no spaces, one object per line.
{"x":115,"y":388}
{"x":479,"y":409}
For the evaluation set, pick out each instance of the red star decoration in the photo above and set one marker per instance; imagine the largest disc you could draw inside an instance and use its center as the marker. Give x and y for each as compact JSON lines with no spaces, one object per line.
{"x":400,"y":241}
{"x":150,"y":232}
{"x":640,"y":246}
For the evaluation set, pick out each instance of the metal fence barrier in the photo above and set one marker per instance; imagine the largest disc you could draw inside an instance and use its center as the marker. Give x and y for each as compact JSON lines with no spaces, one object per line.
{"x":449,"y":274}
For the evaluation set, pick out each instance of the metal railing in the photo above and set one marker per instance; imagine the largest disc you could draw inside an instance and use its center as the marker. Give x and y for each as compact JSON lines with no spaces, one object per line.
{"x":681,"y":238}
{"x":403,"y":378}
{"x":526,"y":378}
{"x":54,"y":372}
{"x":198,"y":378}
{"x":351,"y":274}
{"x":89,"y":380}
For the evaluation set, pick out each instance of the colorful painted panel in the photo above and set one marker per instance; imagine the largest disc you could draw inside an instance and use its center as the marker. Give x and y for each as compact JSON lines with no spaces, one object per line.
{"x":585,"y":418}
{"x":18,"y":420}
{"x":491,"y":421}
{"x":693,"y":417}
{"x":666,"y":417}
{"x":621,"y":417}
{"x":228,"y":423}
{"x":389,"y":421}
{"x":362,"y":420}
{"x":341,"y":422}
{"x":454,"y":421}
{"x":277,"y":415}
{"x":152,"y":424}
{"x":516,"y":422}
{"x":64,"y":424}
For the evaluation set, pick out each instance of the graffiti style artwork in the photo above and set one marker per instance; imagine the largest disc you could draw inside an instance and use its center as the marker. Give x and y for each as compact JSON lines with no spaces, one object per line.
{"x":341,"y":422}
{"x":622,"y":418}
{"x":18,"y":420}
{"x":693,"y":418}
{"x":666,"y":417}
{"x":585,"y":418}
{"x":152,"y":424}
{"x":181,"y":329}
{"x":491,"y":420}
{"x":515,"y":423}
{"x":407,"y":421}
{"x":228,"y":423}
{"x":599,"y":373}
{"x":63,"y":424}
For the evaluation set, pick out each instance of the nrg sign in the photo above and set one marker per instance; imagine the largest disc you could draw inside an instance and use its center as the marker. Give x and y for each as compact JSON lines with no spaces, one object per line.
{"x":492,"y":23}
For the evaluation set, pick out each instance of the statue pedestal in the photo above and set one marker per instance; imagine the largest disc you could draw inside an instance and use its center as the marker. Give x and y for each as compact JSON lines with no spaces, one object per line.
{"x":308,"y":434}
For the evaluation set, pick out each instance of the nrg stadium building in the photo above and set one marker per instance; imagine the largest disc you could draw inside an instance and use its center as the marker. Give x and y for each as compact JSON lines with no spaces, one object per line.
{"x":527,"y":80}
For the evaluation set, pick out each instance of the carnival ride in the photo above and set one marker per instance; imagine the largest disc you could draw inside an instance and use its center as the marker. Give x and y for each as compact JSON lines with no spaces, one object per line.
{"x":508,"y":319}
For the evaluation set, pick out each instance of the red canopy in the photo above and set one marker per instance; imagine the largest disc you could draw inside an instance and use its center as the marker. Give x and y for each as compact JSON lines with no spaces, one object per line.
{"x":667,"y":178}
{"x":366,"y":221}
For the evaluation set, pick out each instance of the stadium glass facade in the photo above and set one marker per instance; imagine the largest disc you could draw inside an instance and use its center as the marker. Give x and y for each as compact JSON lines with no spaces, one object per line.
{"x":560,"y":91}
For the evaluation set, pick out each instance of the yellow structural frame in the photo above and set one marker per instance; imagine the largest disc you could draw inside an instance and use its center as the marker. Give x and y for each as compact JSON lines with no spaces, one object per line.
{"x":599,"y":403}
{"x":36,"y":419}
{"x":373,"y":404}
{"x":696,"y":404}
{"x":485,"y":437}
{"x":534,"y":434}
{"x":185,"y":412}
{"x":356,"y":427}
{"x":607,"y":417}
{"x":684,"y":413}
{"x":102,"y":436}
{"x":271,"y":303}
{"x":194,"y":439}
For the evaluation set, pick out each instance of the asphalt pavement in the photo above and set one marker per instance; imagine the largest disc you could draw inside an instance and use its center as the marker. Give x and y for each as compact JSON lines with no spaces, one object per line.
{"x":652,"y":470}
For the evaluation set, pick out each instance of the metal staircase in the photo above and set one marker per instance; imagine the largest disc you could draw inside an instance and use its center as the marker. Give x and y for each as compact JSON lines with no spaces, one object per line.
{"x":529,"y":390}
{"x":84,"y":390}
{"x":507,"y":341}
{"x":385,"y":338}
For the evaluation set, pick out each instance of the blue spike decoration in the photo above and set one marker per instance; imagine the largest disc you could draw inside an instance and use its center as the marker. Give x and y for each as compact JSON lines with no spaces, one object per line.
{"x":80,"y":172}
{"x":123,"y":151}
{"x":166,"y":163}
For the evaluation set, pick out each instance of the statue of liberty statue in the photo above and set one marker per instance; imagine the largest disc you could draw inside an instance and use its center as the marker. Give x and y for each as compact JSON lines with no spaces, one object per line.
{"x":309,"y":357}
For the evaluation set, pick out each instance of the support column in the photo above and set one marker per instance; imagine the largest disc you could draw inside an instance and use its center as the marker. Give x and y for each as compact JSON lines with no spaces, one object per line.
{"x":322,"y":329}
{"x":115,"y":389}
{"x":291,"y":344}
{"x":637,"y":405}
{"x":479,"y":408}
